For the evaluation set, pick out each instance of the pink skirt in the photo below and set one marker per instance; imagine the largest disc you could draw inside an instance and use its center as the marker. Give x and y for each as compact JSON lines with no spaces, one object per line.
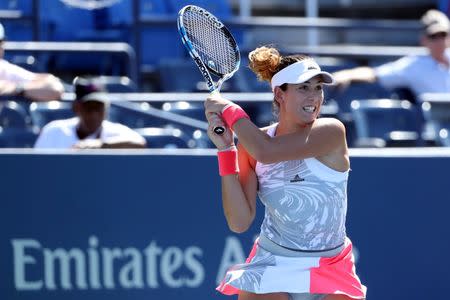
{"x":265,"y":272}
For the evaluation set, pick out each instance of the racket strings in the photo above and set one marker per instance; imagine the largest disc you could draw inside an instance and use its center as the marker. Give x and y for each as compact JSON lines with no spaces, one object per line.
{"x":212,"y":44}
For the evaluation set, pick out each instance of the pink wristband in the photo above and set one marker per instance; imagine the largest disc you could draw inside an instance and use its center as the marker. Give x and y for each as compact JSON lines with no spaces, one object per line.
{"x":233,"y":113}
{"x":228,"y":162}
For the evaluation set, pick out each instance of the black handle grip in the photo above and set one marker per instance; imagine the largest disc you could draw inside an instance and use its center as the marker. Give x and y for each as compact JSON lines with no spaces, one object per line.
{"x":219,"y":130}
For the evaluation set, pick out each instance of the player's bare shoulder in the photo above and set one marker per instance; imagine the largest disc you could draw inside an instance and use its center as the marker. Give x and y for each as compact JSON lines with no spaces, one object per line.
{"x":330,"y":124}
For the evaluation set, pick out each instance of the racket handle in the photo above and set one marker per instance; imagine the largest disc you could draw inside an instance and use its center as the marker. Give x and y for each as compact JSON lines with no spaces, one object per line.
{"x":219,"y":130}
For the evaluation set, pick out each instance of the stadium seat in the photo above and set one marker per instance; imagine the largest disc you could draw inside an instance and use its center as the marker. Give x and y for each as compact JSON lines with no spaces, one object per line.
{"x":167,"y":39}
{"x":24,"y":6}
{"x":118,"y":84}
{"x":165,"y":138}
{"x":153,"y":8}
{"x":62,"y":22}
{"x":437,"y":120}
{"x":355,"y":91}
{"x":135,"y":116}
{"x":220,"y":8}
{"x":332,"y":64}
{"x":386,"y":123}
{"x":13,"y":115}
{"x":15,"y":126}
{"x":261,"y":112}
{"x":20,"y":28}
{"x":180,"y":75}
{"x":17,"y":138}
{"x":29,"y":62}
{"x":189,"y":109}
{"x":44,"y":112}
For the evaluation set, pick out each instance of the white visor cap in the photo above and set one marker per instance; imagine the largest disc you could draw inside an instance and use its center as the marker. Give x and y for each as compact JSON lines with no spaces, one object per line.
{"x":299,"y":72}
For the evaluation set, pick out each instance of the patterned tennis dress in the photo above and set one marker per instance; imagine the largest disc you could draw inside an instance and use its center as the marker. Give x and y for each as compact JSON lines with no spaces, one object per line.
{"x":302,"y":248}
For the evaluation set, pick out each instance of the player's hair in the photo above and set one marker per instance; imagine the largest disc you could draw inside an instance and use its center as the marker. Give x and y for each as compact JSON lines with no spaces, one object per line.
{"x":266,"y":61}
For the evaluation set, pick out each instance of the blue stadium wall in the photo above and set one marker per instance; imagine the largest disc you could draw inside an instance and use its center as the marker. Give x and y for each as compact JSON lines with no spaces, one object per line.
{"x":143,"y":225}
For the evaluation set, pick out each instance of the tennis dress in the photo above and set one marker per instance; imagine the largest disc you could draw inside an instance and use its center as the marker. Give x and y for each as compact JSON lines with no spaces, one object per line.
{"x":302,"y":248}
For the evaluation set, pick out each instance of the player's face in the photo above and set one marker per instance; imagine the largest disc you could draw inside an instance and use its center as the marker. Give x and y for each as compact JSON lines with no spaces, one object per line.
{"x":304,"y":100}
{"x":91,"y":114}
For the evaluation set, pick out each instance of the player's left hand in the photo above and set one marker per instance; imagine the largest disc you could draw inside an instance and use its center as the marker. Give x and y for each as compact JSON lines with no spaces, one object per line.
{"x":215,"y":103}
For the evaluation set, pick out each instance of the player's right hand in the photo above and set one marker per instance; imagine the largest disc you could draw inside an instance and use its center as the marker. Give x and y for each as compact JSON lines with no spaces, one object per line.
{"x":224,"y":140}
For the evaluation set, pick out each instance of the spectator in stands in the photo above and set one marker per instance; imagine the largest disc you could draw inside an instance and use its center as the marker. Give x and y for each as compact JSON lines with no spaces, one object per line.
{"x":89,"y":129}
{"x":16,"y":81}
{"x":299,"y":168}
{"x":419,"y":74}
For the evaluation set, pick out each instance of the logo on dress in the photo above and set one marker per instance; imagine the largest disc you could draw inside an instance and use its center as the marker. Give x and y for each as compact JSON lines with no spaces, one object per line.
{"x":297,"y":179}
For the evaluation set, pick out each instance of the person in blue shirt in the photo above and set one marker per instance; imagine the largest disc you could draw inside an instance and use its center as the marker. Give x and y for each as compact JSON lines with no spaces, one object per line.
{"x":420,"y":74}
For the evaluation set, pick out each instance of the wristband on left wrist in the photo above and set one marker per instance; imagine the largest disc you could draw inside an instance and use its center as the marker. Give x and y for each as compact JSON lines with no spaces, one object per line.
{"x":228,"y":162}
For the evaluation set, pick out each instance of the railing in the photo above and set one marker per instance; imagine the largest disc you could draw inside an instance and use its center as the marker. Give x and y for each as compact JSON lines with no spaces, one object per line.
{"x":122,"y":49}
{"x":134,"y":56}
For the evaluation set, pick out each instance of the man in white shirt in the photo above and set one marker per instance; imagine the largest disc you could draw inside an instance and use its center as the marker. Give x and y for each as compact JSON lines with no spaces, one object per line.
{"x":421,"y":74}
{"x":89,"y":129}
{"x":16,"y":81}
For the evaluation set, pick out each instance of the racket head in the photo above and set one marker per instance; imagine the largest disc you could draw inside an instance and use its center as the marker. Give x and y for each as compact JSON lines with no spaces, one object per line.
{"x":209,"y":40}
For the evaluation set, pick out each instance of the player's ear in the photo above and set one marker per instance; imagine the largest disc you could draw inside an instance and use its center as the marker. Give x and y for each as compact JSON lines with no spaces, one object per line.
{"x":278,"y":94}
{"x":423,"y":40}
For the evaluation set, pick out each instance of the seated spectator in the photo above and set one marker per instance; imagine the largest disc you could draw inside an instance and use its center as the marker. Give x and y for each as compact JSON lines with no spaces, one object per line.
{"x":420,"y":74}
{"x":17,"y":81}
{"x":89,"y":129}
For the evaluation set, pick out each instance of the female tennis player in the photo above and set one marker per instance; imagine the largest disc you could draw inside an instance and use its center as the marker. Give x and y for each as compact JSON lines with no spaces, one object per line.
{"x":299,"y":168}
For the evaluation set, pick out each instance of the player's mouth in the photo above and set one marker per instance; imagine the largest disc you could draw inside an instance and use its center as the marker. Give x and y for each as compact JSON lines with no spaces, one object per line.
{"x":309,"y":108}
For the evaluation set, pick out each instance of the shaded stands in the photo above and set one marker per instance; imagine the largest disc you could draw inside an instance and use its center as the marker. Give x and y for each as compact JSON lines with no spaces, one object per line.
{"x":42,"y":113}
{"x":181,"y":75}
{"x":436,"y":112}
{"x":16,"y":129}
{"x":167,"y":138}
{"x":386,"y":123}
{"x":347,"y":56}
{"x":20,"y":19}
{"x":118,"y":84}
{"x":69,"y":23}
{"x":155,"y":24}
{"x":149,"y":27}
{"x":180,"y":116}
{"x":185,"y":112}
{"x":245,"y":30}
{"x":119,"y":58}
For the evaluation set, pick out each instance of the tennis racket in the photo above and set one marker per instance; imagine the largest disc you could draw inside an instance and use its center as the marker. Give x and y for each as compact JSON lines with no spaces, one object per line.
{"x":211,"y":46}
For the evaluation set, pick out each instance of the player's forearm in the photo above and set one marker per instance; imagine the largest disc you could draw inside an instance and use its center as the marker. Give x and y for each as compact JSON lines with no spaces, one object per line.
{"x":255,"y":141}
{"x":238,"y":212}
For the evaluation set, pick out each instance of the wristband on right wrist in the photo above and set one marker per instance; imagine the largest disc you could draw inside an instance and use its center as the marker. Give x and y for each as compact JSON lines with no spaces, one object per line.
{"x":232,"y":113}
{"x":228,"y":162}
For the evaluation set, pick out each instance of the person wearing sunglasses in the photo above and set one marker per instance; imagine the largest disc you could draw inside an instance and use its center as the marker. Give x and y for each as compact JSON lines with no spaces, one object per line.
{"x":420,"y":74}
